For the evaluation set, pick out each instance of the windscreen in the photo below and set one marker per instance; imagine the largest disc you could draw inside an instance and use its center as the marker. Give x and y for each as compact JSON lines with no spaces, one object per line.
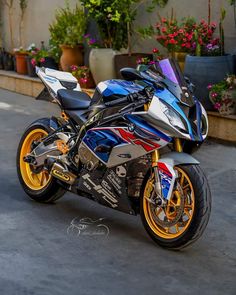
{"x":167,"y":72}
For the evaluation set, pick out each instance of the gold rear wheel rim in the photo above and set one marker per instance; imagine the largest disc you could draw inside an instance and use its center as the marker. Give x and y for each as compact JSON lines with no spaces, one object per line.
{"x":34,"y":181}
{"x":189,"y":206}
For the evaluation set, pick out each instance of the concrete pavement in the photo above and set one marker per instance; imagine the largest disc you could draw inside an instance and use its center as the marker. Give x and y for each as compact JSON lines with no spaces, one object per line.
{"x":38,"y":257}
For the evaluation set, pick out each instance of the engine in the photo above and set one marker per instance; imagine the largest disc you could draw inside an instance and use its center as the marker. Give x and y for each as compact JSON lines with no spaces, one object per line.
{"x":87,"y":158}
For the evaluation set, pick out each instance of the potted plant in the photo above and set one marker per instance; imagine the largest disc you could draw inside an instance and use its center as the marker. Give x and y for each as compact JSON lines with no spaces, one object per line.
{"x":223,"y":95}
{"x":21,"y":63}
{"x":84,"y":76}
{"x":67,"y":33}
{"x":176,"y":36}
{"x":208,"y":63}
{"x":115,"y":24}
{"x":130,"y":9}
{"x":39,"y":57}
{"x":109,"y":17}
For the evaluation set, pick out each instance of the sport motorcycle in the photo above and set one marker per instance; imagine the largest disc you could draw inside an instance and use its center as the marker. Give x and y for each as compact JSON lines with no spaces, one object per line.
{"x":128,"y":148}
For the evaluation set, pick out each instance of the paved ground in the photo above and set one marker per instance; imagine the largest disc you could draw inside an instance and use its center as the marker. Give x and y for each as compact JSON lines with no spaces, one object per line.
{"x":38,"y":257}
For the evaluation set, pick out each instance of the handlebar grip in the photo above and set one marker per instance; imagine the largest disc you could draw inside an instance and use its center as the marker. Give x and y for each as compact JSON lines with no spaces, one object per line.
{"x":117,"y":101}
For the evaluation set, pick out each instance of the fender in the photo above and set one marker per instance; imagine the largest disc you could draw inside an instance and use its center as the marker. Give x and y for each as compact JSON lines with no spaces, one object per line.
{"x":51,"y":123}
{"x":175,"y":158}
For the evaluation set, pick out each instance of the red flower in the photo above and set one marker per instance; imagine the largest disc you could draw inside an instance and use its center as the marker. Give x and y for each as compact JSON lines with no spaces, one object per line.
{"x":164,"y":29}
{"x":172,"y":41}
{"x":164,"y":20}
{"x":155,"y":50}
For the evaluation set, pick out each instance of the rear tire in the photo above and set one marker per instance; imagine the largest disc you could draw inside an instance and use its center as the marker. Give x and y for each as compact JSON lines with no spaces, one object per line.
{"x":39,"y":187}
{"x":199,"y":213}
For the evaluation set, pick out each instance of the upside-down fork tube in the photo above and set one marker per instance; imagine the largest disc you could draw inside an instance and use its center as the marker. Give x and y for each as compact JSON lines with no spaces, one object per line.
{"x":164,"y":173}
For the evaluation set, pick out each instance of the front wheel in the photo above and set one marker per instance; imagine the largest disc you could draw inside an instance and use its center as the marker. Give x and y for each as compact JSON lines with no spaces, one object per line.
{"x":183,"y":219}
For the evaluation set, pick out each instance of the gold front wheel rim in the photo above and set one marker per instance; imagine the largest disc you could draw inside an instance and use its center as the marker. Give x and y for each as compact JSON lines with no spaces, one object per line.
{"x":181,"y":226}
{"x":34,"y":181}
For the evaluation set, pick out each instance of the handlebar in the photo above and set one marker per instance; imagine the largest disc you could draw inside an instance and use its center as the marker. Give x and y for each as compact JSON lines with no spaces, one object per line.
{"x":144,"y":95}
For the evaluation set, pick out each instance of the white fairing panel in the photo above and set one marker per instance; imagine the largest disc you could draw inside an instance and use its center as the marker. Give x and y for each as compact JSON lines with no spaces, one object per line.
{"x":157,"y":111}
{"x":51,"y":79}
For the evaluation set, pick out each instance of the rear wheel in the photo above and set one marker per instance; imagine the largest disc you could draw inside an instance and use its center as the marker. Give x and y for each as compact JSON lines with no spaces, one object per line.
{"x":38,"y":184}
{"x":184,"y":218}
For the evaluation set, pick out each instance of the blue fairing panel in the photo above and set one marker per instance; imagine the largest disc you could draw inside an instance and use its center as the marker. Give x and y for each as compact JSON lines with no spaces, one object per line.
{"x":120,"y":87}
{"x":95,"y":138}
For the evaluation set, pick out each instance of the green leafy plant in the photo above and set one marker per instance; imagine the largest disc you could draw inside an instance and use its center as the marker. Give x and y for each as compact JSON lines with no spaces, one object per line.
{"x":81,"y":73}
{"x":115,"y":19}
{"x":38,"y":56}
{"x":68,"y":28}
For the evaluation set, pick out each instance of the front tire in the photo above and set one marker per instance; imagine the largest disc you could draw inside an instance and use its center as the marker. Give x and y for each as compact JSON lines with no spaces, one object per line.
{"x":39,"y":186}
{"x":176,"y":228}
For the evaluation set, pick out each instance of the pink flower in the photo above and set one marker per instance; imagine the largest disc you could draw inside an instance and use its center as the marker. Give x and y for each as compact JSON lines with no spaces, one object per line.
{"x":83,"y":80}
{"x":33,"y":62}
{"x":42,"y":60}
{"x":217,"y":106}
{"x":209,"y":87}
{"x":74,"y":68}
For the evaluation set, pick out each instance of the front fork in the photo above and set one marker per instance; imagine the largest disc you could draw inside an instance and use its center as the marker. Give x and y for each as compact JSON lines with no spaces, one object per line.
{"x":164,"y":168}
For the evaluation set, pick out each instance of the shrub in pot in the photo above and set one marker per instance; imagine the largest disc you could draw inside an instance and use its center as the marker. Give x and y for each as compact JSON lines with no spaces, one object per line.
{"x":84,"y":76}
{"x":115,"y":23}
{"x":67,"y":33}
{"x":223,"y":95}
{"x":40,"y":57}
{"x":176,"y":36}
{"x":208,"y":62}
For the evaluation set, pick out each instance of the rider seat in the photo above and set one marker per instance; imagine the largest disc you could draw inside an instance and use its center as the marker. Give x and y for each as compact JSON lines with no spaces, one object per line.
{"x":73,"y":100}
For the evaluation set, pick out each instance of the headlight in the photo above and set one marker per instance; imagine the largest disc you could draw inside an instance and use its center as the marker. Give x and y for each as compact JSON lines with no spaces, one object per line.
{"x":173,"y":118}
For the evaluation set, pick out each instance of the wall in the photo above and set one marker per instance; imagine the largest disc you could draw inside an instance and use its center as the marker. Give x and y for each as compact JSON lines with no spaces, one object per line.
{"x":41,"y":12}
{"x":39,"y":15}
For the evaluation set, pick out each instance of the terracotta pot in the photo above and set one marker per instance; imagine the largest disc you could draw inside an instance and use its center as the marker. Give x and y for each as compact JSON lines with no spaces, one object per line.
{"x":21,"y":63}
{"x":130,"y":61}
{"x":180,"y":58}
{"x":101,"y":64}
{"x":71,"y":56}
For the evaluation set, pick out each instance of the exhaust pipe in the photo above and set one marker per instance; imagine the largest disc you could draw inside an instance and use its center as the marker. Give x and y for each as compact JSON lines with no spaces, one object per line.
{"x":60,"y":173}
